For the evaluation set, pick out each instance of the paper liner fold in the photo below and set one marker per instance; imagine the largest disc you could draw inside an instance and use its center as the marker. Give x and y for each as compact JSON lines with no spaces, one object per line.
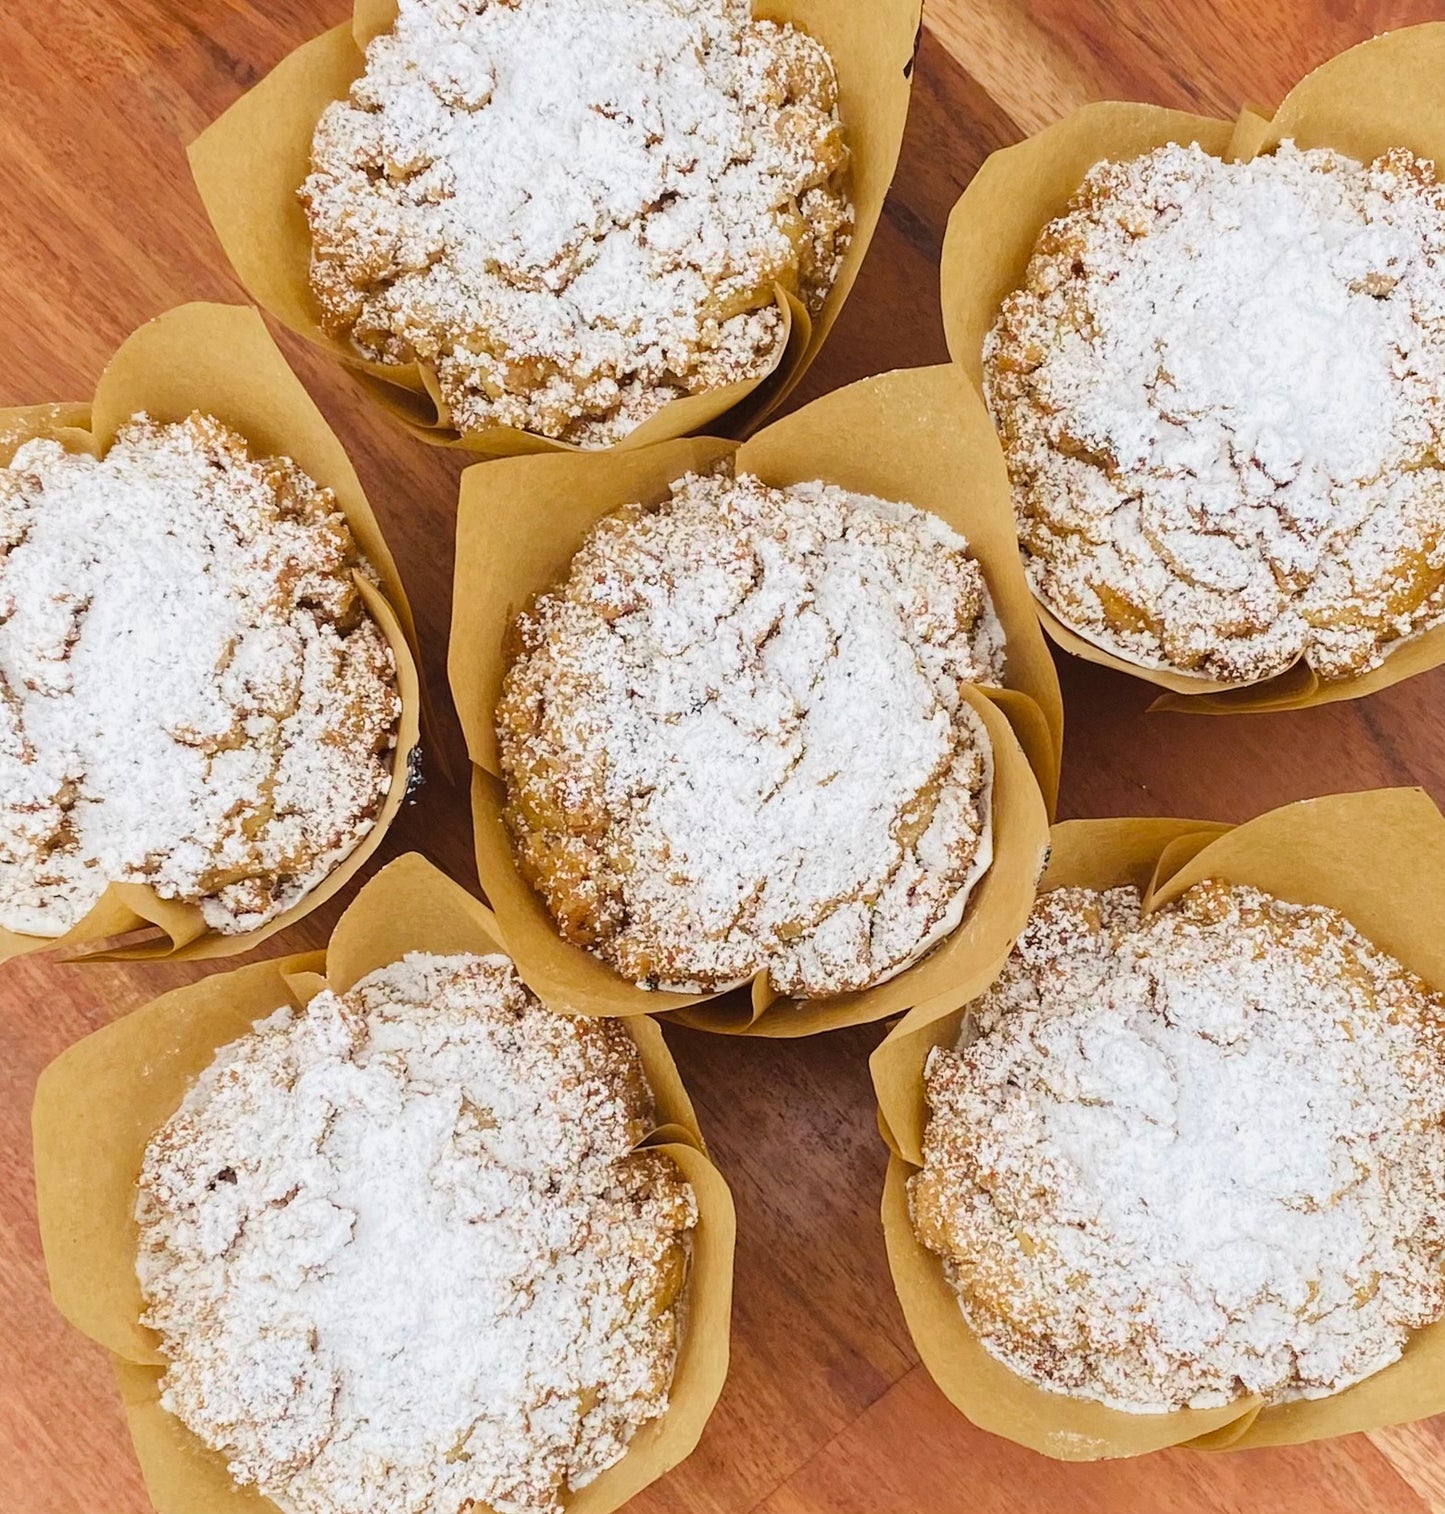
{"x":218,"y":359}
{"x":920,"y":436}
{"x":1384,"y":93}
{"x":99,"y":1103}
{"x":249,"y":164}
{"x":1377,"y":857}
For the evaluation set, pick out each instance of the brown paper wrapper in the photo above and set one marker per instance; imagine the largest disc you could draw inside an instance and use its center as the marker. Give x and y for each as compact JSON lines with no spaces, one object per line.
{"x":249,"y":164}
{"x":1378,"y":858}
{"x":98,"y":1105}
{"x":220,"y":360}
{"x":1382,"y":94}
{"x":920,"y":436}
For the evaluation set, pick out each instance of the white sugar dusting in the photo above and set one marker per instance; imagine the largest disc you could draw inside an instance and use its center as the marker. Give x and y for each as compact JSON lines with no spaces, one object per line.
{"x":192,"y":694}
{"x":402,"y":1255}
{"x":577,"y":210}
{"x":1220,"y":391}
{"x":1185,"y":1158}
{"x":735,"y":741}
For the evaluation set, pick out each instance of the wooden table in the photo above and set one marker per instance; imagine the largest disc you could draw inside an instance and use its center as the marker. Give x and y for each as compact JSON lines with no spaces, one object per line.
{"x":827,"y":1410}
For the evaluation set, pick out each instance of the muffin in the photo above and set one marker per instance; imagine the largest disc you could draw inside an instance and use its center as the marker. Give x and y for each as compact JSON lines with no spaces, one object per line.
{"x":1183,"y":1157}
{"x":574,"y":211}
{"x":193,"y":695}
{"x":402,"y":1251}
{"x":734,"y":741}
{"x":1220,"y":394}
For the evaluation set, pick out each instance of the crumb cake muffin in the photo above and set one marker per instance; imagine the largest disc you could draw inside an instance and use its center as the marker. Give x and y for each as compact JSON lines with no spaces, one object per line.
{"x":574,"y":211}
{"x":1221,"y":392}
{"x":734,"y":742}
{"x":192,"y":693}
{"x":403,"y":1254}
{"x":1181,"y":1158}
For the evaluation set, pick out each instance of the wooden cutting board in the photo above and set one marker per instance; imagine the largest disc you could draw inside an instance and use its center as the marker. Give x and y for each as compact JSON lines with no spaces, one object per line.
{"x":826,"y":1410}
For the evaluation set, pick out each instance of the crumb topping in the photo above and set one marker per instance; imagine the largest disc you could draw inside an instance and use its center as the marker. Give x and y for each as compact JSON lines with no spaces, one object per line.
{"x":402,"y":1254}
{"x":192,"y":692}
{"x":575,"y":211}
{"x":734,"y":740}
{"x":1220,"y":392}
{"x":1182,"y":1158}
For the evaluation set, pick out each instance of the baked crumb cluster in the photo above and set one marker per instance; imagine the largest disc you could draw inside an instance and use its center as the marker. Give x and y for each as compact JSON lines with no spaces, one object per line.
{"x":1220,"y":392}
{"x":402,"y":1254}
{"x":574,"y":211}
{"x":192,"y":693}
{"x":1181,"y":1158}
{"x":734,"y":740}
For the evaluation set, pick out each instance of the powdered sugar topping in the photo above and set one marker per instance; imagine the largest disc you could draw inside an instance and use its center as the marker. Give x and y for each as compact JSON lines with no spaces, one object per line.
{"x":1220,"y":391}
{"x":1193,"y":1156}
{"x":577,"y":210}
{"x":192,"y":693}
{"x":401,"y":1252}
{"x":735,"y":741}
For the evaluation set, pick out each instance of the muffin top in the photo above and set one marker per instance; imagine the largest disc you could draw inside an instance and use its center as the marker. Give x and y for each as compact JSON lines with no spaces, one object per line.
{"x":575,"y":211}
{"x":734,"y":740}
{"x":1186,"y":1157}
{"x":402,"y":1254}
{"x":1221,"y":393}
{"x":192,"y":692}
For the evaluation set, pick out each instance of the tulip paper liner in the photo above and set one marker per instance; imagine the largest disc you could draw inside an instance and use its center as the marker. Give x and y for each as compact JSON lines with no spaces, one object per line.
{"x":219,"y":359}
{"x":99,"y":1103}
{"x":1382,"y":94}
{"x":919,"y":436}
{"x":1377,"y":857}
{"x":249,"y":164}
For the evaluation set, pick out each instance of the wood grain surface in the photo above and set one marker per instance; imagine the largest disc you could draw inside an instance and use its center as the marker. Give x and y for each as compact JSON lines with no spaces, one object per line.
{"x":826,"y":1410}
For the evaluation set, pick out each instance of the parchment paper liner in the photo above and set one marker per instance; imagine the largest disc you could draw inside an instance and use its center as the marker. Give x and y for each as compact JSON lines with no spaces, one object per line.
{"x":250,"y":162}
{"x":918,"y":435}
{"x":1378,"y":858}
{"x":98,"y":1104}
{"x":1384,"y":93}
{"x":219,"y":359}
